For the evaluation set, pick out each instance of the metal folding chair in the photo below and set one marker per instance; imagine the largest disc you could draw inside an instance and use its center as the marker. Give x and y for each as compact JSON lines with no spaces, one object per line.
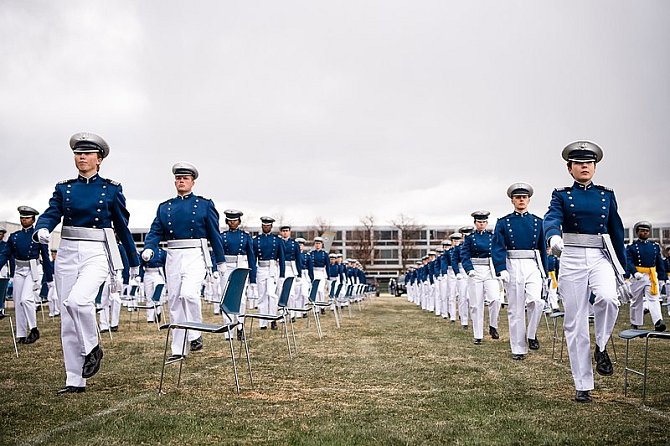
{"x":555,"y":338}
{"x":282,"y":315}
{"x":152,"y":304}
{"x":628,"y":335}
{"x":230,"y":305}
{"x":4,"y":283}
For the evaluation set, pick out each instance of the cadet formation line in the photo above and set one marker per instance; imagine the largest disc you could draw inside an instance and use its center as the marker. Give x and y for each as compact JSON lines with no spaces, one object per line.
{"x":97,"y":257}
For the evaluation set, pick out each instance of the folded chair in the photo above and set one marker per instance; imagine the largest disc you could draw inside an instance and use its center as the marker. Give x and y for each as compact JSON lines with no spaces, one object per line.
{"x":4,"y":283}
{"x":282,"y":314}
{"x":628,"y":335}
{"x":230,"y":305}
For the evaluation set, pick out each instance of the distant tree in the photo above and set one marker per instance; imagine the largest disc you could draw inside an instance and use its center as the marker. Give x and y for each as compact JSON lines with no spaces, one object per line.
{"x":362,"y":241}
{"x":408,"y":230}
{"x":321,"y":225}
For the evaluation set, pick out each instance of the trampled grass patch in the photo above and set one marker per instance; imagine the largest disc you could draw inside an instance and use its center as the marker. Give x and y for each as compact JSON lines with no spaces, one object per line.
{"x":393,"y":374}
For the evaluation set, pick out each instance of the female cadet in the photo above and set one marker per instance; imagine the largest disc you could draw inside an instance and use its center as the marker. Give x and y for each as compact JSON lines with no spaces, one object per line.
{"x":583,"y":224}
{"x":92,"y":209}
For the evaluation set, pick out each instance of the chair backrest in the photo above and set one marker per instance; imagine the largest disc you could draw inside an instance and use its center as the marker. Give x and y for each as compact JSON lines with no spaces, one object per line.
{"x":98,"y":298}
{"x":314,"y":290}
{"x":339,"y":289}
{"x":156,"y":297}
{"x":285,"y":292}
{"x":350,"y":290}
{"x":232,"y":295}
{"x":133,"y":290}
{"x":4,"y":283}
{"x":333,"y":286}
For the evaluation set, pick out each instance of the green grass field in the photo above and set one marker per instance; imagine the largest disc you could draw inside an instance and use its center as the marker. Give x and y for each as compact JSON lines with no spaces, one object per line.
{"x":393,"y":374}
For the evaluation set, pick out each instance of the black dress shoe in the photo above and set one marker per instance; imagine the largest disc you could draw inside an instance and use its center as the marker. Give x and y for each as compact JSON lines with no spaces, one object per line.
{"x":659,"y":325}
{"x":603,"y":363}
{"x":583,"y":396}
{"x":533,"y":344}
{"x":478,"y":341}
{"x":323,"y":311}
{"x":114,"y":328}
{"x":104,"y":330}
{"x":158,"y":318}
{"x":264,"y":328}
{"x":240,"y":335}
{"x":634,"y":327}
{"x":464,"y":327}
{"x":196,"y":344}
{"x":92,"y":362}
{"x":70,"y":389}
{"x":273,"y":325}
{"x":2,"y":314}
{"x":518,"y":357}
{"x":173,"y":358}
{"x":33,"y":336}
{"x":21,"y":340}
{"x":304,"y":315}
{"x":494,"y":333}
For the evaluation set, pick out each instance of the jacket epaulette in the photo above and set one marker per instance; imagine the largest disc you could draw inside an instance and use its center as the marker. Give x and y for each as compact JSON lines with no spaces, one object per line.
{"x":562,"y":189}
{"x":71,"y":180}
{"x":112,"y":182}
{"x":609,"y":189}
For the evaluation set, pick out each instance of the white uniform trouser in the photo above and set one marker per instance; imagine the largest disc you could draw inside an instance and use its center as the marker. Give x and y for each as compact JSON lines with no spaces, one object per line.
{"x":24,"y":301}
{"x":463,"y":300}
{"x":54,"y":304}
{"x":242,"y":262}
{"x":524,"y":291}
{"x":266,"y":278}
{"x":151,"y":279}
{"x":320,"y":273}
{"x":185,"y":270}
{"x":552,"y":295}
{"x":442,"y":298}
{"x":111,"y":308}
{"x":585,"y":271}
{"x":291,"y":271}
{"x":483,"y":285}
{"x":451,"y":294}
{"x":641,"y":289}
{"x":81,"y":267}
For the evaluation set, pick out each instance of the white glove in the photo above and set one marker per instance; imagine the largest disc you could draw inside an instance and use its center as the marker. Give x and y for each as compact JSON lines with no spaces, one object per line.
{"x":252,"y":291}
{"x":471,"y":273}
{"x":134,"y":272}
{"x":50,"y":284}
{"x":43,"y":236}
{"x":147,"y":254}
{"x":298,"y":279}
{"x":638,"y":276}
{"x":36,"y":287}
{"x":504,"y":276}
{"x":460,"y":276}
{"x":221,"y":267}
{"x":556,"y":245}
{"x":216,"y":275}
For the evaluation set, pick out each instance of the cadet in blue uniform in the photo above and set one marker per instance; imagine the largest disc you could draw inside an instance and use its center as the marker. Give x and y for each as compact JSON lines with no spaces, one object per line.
{"x":646,"y":266}
{"x":519,"y":258}
{"x":293,"y":262}
{"x":320,"y":262}
{"x":152,"y":273}
{"x":583,"y":224}
{"x":238,"y":248}
{"x":461,"y":276}
{"x":92,"y":209}
{"x":187,"y":222}
{"x":26,"y":253}
{"x":269,"y":250}
{"x":482,"y":282}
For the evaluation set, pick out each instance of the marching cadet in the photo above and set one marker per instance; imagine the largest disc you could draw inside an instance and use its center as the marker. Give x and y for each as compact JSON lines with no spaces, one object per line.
{"x":432,"y":281}
{"x":26,"y":254}
{"x":4,"y":272}
{"x":461,"y":276}
{"x":482,"y":282}
{"x":238,"y":248}
{"x":269,"y":250}
{"x":152,"y":273}
{"x":553,"y":267}
{"x":450,"y":277}
{"x":645,"y":264}
{"x":519,"y":258}
{"x":441,"y":308}
{"x":92,"y":208}
{"x":320,"y":262}
{"x":307,"y":272}
{"x":293,"y":262}
{"x":187,"y":222}
{"x":591,"y":262}
{"x":666,"y":262}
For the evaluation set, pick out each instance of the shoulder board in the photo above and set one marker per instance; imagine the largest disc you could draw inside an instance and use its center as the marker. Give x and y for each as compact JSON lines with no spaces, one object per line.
{"x":71,"y":180}
{"x":202,"y":198}
{"x":562,"y":189}
{"x":165,"y":202}
{"x":598,"y":186}
{"x":536,"y":216}
{"x":112,"y":182}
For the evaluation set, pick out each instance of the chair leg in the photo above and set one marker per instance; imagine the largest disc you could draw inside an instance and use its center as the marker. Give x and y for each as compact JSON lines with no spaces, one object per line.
{"x":232,"y":356}
{"x":295,"y":345}
{"x":317,"y":320}
{"x":246,"y":349}
{"x":337,"y":317}
{"x":167,"y":340}
{"x":625,"y":370}
{"x":288,"y":340}
{"x":11,"y":333}
{"x":183,"y":351}
{"x":644,"y":377}
{"x":613,"y":349}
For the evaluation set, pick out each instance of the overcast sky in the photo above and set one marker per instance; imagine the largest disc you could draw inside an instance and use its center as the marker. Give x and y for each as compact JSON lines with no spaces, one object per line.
{"x":338,"y":110}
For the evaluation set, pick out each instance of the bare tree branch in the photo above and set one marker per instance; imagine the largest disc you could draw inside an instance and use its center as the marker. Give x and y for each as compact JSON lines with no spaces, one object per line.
{"x":408,"y":230}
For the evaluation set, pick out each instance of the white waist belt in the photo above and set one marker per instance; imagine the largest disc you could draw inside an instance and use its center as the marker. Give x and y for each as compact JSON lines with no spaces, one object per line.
{"x":521,"y":254}
{"x":86,"y":234}
{"x":152,"y":270}
{"x":265,"y":262}
{"x":478,"y":261}
{"x":22,"y":263}
{"x":583,"y":240}
{"x":231,"y":259}
{"x":184,"y":243}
